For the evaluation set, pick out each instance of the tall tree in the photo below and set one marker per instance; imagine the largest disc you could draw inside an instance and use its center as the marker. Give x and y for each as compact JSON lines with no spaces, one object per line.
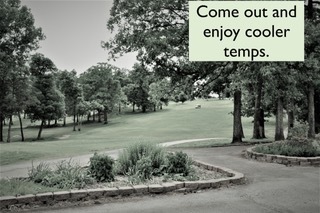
{"x":67,"y":83}
{"x":101,"y":88}
{"x":18,"y":36}
{"x":50,"y":101}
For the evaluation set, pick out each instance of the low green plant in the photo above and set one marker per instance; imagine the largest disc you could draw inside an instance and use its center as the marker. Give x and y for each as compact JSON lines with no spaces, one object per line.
{"x":138,"y":156}
{"x":179,"y":163}
{"x":38,"y":173}
{"x":294,"y":147}
{"x":22,"y":186}
{"x":300,"y":130}
{"x":101,"y":167}
{"x":66,"y":176}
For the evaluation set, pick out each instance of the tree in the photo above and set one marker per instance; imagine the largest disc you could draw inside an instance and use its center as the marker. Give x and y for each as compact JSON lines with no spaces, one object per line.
{"x":312,"y":68}
{"x":50,"y":101}
{"x":159,"y":93}
{"x":101,"y":88}
{"x":67,"y":83}
{"x":18,"y":36}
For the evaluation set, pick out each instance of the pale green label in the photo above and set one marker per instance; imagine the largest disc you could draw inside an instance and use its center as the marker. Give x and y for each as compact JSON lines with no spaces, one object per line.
{"x":246,"y":30}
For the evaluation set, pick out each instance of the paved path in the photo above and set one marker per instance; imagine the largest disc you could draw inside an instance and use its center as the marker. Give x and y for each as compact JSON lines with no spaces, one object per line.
{"x":271,"y":188}
{"x":21,"y":169}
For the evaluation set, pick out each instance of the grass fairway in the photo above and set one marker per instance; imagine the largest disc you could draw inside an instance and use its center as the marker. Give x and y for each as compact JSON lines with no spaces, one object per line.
{"x":175,"y":122}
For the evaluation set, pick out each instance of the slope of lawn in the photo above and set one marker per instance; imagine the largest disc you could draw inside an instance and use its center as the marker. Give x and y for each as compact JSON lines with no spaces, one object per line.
{"x":175,"y":122}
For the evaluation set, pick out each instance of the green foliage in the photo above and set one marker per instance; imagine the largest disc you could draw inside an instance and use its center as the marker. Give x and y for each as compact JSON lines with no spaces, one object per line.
{"x":300,"y":130}
{"x":40,"y":172}
{"x":100,"y":86}
{"x":179,"y":163}
{"x":141,"y":171}
{"x":294,"y":147}
{"x":101,"y":167}
{"x":19,"y":186}
{"x":142,"y":160}
{"x":183,"y":97}
{"x":66,"y":175}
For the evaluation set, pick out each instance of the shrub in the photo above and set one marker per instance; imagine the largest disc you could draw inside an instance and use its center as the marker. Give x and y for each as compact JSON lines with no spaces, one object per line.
{"x":179,"y":163}
{"x":37,"y":174}
{"x":139,"y":155}
{"x":66,"y":175}
{"x":141,"y":171}
{"x":300,"y":130}
{"x":294,"y":147}
{"x":101,"y":167}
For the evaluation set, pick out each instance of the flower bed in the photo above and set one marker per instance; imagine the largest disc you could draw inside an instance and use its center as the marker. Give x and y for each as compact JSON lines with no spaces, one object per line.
{"x":281,"y":159}
{"x":228,"y":176}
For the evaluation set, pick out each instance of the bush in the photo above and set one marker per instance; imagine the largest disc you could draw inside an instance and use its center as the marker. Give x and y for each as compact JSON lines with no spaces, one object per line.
{"x":179,"y":163}
{"x":39,"y":173}
{"x":300,"y":130}
{"x":294,"y":147}
{"x":101,"y":167}
{"x":141,"y":171}
{"x":138,"y":155}
{"x":66,"y":176}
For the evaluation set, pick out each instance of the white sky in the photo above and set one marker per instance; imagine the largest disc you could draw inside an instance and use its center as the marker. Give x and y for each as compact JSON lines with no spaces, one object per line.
{"x":74,"y":30}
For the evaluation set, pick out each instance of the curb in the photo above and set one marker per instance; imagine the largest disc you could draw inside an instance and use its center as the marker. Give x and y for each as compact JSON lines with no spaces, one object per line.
{"x":50,"y":198}
{"x":282,"y":159}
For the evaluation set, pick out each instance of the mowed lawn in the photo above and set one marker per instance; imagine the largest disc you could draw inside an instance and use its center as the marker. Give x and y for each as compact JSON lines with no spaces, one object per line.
{"x":175,"y":122}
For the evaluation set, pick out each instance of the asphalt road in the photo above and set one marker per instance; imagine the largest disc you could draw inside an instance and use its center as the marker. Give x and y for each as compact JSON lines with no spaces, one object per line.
{"x":270,"y":188}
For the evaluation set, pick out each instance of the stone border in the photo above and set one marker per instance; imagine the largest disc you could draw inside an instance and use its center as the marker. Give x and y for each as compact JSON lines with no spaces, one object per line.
{"x":50,"y":198}
{"x":281,"y":159}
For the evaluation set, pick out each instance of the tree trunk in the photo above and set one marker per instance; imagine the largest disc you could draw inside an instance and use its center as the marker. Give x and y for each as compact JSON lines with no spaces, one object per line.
{"x":9,"y":129}
{"x":21,"y":127}
{"x":154,"y":107}
{"x":310,"y":9}
{"x":40,"y":130}
{"x":1,"y":127}
{"x":160,"y":106}
{"x":88,"y":117}
{"x":279,"y":121}
{"x":49,"y":123}
{"x":258,"y":130}
{"x":144,"y":108}
{"x":55,"y":122}
{"x":80,"y":122}
{"x":311,"y":115}
{"x":74,"y":117}
{"x":99,"y":116}
{"x":24,"y":115}
{"x":237,"y":125}
{"x":119,"y":108}
{"x":290,"y":120}
{"x":77,"y":118}
{"x":64,"y":120}
{"x":94,"y":116}
{"x":133,"y":107}
{"x":105,"y":116}
{"x":262,"y":132}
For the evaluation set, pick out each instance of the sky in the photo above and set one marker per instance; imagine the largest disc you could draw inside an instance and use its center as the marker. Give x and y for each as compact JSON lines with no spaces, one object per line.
{"x":74,"y":30}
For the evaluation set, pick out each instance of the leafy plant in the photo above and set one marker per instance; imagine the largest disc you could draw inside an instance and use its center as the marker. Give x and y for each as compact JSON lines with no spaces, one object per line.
{"x":40,"y":172}
{"x":179,"y":163}
{"x":66,"y":175}
{"x":294,"y":147}
{"x":101,"y":167}
{"x":300,"y":130}
{"x":138,"y":155}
